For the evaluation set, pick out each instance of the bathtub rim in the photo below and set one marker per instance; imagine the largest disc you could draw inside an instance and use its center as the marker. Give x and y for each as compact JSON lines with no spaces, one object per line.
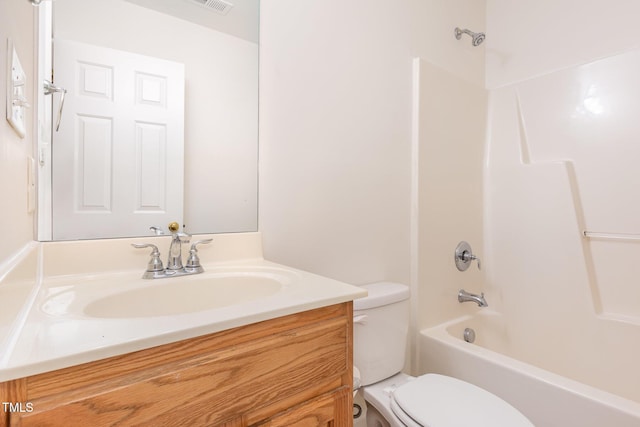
{"x":440,"y":333}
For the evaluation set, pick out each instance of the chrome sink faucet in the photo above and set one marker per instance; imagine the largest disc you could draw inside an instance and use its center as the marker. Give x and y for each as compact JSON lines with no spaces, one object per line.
{"x":464,"y":296}
{"x":174,"y":262}
{"x":175,"y":268}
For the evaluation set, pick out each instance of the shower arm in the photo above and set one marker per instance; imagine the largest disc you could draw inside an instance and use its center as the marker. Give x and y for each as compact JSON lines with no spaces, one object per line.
{"x":459,"y":33}
{"x":476,"y":38}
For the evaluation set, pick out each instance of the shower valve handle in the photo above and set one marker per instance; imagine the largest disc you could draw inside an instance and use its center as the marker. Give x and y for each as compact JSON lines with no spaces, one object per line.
{"x":464,"y":255}
{"x":468,"y":257}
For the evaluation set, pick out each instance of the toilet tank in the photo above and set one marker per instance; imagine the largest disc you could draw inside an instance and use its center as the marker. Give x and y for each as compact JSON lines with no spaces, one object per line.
{"x":380,"y":330}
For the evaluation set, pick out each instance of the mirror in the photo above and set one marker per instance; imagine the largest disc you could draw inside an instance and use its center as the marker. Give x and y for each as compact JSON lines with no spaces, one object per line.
{"x":208,"y":181}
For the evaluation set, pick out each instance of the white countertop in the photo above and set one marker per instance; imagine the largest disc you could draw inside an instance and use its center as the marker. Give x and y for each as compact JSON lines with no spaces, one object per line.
{"x":55,"y":332}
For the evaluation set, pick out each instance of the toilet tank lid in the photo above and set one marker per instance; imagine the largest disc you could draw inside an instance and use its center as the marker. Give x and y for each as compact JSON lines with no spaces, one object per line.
{"x":381,"y":293}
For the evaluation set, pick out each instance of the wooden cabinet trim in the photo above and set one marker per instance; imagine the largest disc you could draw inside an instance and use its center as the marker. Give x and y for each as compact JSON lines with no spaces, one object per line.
{"x":182,"y":352}
{"x":235,"y":377}
{"x":324,"y":410}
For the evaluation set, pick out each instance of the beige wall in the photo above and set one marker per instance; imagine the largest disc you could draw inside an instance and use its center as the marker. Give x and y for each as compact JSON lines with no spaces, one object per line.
{"x":335,"y":132}
{"x":17,"y":23}
{"x":451,"y":135}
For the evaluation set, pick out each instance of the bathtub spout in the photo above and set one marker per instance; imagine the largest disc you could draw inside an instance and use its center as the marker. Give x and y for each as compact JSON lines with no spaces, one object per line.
{"x":464,"y":296}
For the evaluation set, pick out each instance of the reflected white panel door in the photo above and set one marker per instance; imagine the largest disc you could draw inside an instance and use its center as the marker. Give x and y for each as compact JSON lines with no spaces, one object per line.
{"x":119,"y":153}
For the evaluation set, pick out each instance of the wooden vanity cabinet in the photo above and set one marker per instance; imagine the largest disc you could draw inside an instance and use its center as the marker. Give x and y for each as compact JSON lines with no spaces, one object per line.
{"x":290,"y":371}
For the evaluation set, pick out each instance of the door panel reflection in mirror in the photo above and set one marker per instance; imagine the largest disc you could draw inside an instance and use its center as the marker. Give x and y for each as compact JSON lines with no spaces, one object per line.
{"x":124,"y":115}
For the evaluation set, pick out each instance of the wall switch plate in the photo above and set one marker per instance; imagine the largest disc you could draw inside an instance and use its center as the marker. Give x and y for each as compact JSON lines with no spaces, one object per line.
{"x":16,"y":89}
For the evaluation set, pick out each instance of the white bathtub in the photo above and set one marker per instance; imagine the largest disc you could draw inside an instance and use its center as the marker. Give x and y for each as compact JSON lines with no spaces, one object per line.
{"x":538,"y":380}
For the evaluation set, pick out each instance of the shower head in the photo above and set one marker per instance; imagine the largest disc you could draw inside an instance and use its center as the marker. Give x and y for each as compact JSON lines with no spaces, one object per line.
{"x":476,"y":38}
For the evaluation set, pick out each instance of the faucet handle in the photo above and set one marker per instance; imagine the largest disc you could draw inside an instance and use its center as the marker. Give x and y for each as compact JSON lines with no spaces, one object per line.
{"x":155,"y":264}
{"x":463,"y":256}
{"x":193,"y":262}
{"x":204,"y":242}
{"x":158,"y":231}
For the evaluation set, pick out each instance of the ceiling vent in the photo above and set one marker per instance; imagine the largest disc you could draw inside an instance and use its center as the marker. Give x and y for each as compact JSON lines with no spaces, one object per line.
{"x":218,"y":6}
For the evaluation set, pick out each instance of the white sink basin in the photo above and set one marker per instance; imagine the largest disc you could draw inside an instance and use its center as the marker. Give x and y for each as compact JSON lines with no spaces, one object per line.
{"x":179,"y":298}
{"x":166,"y":297}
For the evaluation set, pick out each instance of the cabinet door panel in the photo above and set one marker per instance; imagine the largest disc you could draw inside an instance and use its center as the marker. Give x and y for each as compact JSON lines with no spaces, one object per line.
{"x":327,"y":410}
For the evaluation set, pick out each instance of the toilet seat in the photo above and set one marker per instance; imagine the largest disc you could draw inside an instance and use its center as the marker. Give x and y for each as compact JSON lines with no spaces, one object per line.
{"x":399,"y":413}
{"x":434,"y":400}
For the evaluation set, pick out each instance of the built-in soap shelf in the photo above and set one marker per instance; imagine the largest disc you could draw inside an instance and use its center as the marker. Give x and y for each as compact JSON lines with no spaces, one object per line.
{"x":16,"y":91}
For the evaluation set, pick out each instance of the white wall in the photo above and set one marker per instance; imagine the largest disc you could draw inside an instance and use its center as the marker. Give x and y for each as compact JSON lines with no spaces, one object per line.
{"x":335,"y":132}
{"x":221,"y":111}
{"x":17,"y":23}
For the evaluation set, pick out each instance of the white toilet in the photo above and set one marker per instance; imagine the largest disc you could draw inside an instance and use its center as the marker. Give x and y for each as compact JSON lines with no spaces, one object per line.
{"x":380,"y":329}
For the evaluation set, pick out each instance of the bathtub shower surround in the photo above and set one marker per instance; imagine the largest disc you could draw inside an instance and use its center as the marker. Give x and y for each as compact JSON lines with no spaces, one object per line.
{"x":449,"y":134}
{"x":561,"y":159}
{"x":578,"y":132}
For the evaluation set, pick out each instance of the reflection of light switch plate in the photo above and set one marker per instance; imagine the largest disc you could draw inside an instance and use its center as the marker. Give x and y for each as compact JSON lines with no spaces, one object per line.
{"x":31,"y":184}
{"x":16,"y":85}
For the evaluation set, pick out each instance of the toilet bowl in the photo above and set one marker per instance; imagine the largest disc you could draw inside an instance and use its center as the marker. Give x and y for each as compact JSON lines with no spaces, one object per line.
{"x":378,"y":399}
{"x":394,"y":399}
